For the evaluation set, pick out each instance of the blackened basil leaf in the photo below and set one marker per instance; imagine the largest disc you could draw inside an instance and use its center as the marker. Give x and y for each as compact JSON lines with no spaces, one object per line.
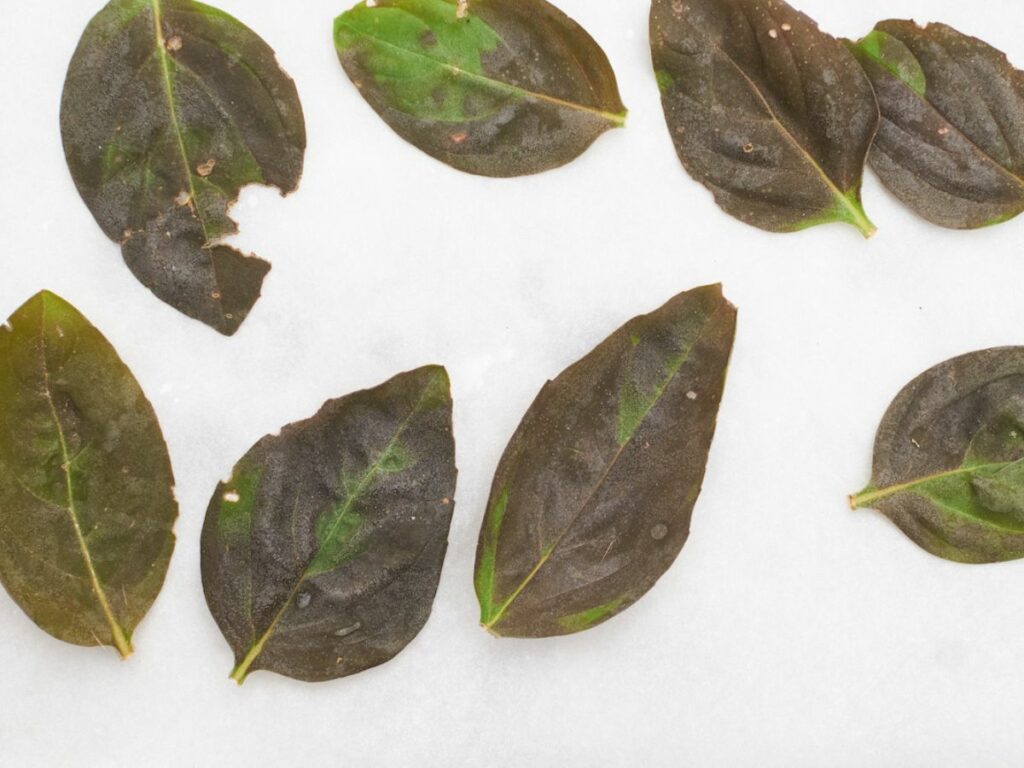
{"x":170,"y":108}
{"x":773,"y":115}
{"x":951,"y":143}
{"x":321,"y":555}
{"x":87,"y":505}
{"x":592,"y":500}
{"x":949,"y":459}
{"x":492,"y":87}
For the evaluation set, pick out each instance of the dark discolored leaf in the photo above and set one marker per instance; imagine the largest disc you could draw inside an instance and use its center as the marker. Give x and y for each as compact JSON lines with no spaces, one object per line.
{"x":951,"y":143}
{"x":492,"y":87}
{"x":87,"y":504}
{"x":949,"y":459}
{"x":592,"y":500}
{"x":171,"y":107}
{"x":321,"y":555}
{"x":773,"y":115}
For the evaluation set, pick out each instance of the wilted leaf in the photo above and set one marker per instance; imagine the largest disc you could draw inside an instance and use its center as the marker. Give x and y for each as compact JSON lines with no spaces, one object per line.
{"x":321,"y":555}
{"x":592,"y":500}
{"x":170,"y":108}
{"x":492,"y":87}
{"x":951,"y":143}
{"x":86,"y":492}
{"x":949,"y":459}
{"x":773,"y":115}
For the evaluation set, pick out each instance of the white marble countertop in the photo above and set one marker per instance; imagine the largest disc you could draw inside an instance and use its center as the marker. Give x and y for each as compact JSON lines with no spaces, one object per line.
{"x":791,"y":632}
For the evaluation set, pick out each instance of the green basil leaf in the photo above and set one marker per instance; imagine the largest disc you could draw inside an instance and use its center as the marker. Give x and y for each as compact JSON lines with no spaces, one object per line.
{"x":951,"y":143}
{"x":492,"y":87}
{"x":949,"y":459}
{"x":773,"y":115}
{"x":171,"y":107}
{"x":321,"y":555}
{"x":87,"y":505}
{"x":592,"y":500}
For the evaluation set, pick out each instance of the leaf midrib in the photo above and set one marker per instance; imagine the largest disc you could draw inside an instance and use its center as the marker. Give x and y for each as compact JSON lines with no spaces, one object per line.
{"x":869,"y":496}
{"x":121,"y":641}
{"x":616,"y":119}
{"x":165,"y":69}
{"x":550,"y":550}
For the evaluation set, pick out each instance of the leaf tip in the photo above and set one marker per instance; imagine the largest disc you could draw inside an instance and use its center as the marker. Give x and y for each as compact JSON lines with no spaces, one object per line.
{"x":47,"y":299}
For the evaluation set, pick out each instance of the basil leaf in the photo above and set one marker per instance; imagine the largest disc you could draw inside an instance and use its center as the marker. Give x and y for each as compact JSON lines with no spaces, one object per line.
{"x":592,"y":500}
{"x":773,"y":115}
{"x":949,"y":459}
{"x":492,"y":87}
{"x":86,"y":491}
{"x":321,"y":555}
{"x":951,"y":143}
{"x":171,"y":107}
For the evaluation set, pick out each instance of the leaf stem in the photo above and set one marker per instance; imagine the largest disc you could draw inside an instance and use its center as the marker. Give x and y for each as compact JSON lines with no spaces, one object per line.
{"x":858,"y":217}
{"x":241,"y":672}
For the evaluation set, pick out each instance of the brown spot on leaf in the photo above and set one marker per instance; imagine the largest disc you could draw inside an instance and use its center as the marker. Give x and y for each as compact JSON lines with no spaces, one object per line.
{"x":174,"y":43}
{"x":205,"y":169}
{"x":428,"y":39}
{"x":458,"y":138}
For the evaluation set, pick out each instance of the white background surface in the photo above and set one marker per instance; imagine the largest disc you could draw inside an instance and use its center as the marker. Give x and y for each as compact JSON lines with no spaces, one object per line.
{"x":791,"y":632}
